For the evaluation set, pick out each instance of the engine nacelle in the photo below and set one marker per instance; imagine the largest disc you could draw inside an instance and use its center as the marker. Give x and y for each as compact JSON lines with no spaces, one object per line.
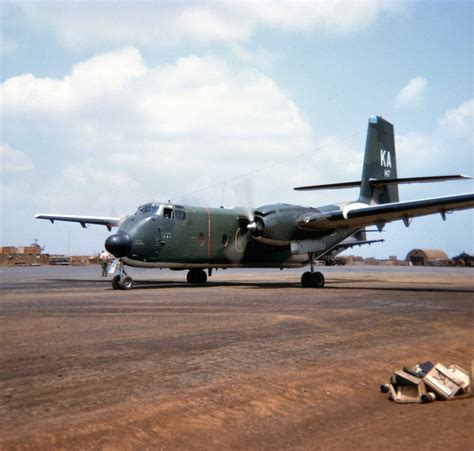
{"x":275,"y":228}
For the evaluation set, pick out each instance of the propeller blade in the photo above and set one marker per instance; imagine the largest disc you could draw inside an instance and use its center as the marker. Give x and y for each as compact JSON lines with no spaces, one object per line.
{"x":244,"y":195}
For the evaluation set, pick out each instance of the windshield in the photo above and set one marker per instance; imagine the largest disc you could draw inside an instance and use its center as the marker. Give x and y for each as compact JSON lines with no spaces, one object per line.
{"x":145,"y":209}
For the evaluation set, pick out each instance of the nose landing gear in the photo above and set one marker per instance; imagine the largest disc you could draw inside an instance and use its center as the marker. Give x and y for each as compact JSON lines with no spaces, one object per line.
{"x":122,"y":281}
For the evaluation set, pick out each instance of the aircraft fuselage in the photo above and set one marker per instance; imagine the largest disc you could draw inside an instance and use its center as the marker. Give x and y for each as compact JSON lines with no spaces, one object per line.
{"x":184,"y":237}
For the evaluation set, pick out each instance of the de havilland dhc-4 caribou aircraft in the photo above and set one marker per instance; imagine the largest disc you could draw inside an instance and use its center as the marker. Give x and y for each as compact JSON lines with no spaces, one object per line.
{"x":166,"y":235}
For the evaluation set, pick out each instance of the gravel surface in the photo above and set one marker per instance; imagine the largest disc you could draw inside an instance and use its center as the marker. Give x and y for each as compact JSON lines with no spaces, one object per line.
{"x":250,"y":361}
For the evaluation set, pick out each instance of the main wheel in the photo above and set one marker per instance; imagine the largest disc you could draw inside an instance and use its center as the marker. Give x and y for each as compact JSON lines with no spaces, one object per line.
{"x":306,"y":279}
{"x":312,"y":280}
{"x":317,"y":280}
{"x":126,"y":283}
{"x":196,"y":276}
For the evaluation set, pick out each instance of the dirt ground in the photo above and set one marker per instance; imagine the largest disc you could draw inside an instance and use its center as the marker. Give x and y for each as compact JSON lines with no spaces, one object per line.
{"x":250,"y":361}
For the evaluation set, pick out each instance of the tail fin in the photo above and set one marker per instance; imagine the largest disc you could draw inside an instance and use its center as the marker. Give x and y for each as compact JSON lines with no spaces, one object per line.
{"x":379,"y":163}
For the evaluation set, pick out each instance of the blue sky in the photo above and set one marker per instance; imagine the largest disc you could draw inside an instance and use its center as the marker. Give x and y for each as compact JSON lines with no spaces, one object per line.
{"x":106,"y":106}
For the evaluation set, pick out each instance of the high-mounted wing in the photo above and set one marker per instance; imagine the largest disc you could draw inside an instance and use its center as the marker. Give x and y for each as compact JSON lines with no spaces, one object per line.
{"x":109,"y":222}
{"x":360,"y":215}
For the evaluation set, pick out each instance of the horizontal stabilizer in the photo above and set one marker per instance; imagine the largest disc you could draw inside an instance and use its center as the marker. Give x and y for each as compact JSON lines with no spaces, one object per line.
{"x":343,"y":185}
{"x":382,"y":182}
{"x":429,"y":179}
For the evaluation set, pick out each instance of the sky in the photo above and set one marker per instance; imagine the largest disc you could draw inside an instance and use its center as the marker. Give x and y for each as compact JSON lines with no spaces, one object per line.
{"x":108,"y":105}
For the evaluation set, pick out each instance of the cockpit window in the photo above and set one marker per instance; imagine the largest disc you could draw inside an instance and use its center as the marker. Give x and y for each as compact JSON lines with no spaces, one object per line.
{"x":168,"y":212}
{"x":146,"y":209}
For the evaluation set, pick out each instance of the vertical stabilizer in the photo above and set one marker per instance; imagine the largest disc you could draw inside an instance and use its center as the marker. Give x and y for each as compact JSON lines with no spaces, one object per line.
{"x":380,"y":163}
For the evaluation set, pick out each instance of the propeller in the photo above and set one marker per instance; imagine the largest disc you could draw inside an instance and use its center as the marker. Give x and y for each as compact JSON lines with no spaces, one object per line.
{"x":256,"y":227}
{"x":244,"y":196}
{"x":253,"y":225}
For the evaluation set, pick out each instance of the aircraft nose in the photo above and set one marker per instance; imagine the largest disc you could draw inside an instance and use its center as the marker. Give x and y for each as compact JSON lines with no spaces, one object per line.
{"x":119,"y":245}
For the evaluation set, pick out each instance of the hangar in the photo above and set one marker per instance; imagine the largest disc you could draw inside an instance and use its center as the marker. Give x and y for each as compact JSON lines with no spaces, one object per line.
{"x":427,"y":257}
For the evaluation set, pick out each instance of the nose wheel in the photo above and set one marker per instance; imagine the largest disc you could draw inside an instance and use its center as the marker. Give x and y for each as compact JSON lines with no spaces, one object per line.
{"x":122,"y":281}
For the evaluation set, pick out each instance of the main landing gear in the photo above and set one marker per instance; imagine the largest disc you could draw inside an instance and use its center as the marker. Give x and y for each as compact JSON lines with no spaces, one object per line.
{"x":196,"y":276}
{"x":311,"y":279}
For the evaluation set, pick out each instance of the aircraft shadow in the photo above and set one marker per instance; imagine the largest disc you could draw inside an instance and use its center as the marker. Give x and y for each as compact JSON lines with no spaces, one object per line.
{"x":330,"y":285}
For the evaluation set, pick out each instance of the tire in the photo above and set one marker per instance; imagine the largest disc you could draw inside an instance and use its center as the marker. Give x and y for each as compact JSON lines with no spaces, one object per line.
{"x":312,"y":280}
{"x":116,"y":283}
{"x":196,"y":276}
{"x":317,"y":280}
{"x":202,"y":276}
{"x":306,"y":279}
{"x":428,"y":397}
{"x":126,"y":283}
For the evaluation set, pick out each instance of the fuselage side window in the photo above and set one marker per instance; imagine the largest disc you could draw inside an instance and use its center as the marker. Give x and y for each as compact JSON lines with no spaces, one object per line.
{"x":180,"y":215}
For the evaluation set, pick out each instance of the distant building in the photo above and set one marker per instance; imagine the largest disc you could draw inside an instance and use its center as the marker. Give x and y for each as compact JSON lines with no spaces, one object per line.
{"x":33,"y":256}
{"x":20,"y":256}
{"x":427,"y":257}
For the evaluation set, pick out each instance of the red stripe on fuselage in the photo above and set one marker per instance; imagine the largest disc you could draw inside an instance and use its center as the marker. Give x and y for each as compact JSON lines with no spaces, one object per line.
{"x":208,"y":233}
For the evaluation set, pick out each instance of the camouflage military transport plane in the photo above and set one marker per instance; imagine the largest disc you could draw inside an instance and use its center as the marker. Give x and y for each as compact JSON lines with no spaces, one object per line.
{"x":180,"y":237}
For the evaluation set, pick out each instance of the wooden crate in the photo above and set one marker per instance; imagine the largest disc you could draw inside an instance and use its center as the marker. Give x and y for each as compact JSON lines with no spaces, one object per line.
{"x":447,"y":382}
{"x":410,"y":390}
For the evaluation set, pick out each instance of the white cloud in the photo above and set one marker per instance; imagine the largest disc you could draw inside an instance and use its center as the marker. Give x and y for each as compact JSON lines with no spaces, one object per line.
{"x":168,"y":129}
{"x":256,"y":57}
{"x":418,"y":154}
{"x":87,"y":184}
{"x":13,"y":160}
{"x":225,"y":106}
{"x":100,"y":76}
{"x":459,"y":121}
{"x":337,"y":16}
{"x":206,"y":24}
{"x":90,"y":24}
{"x":411,"y":95}
{"x":436,"y":153}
